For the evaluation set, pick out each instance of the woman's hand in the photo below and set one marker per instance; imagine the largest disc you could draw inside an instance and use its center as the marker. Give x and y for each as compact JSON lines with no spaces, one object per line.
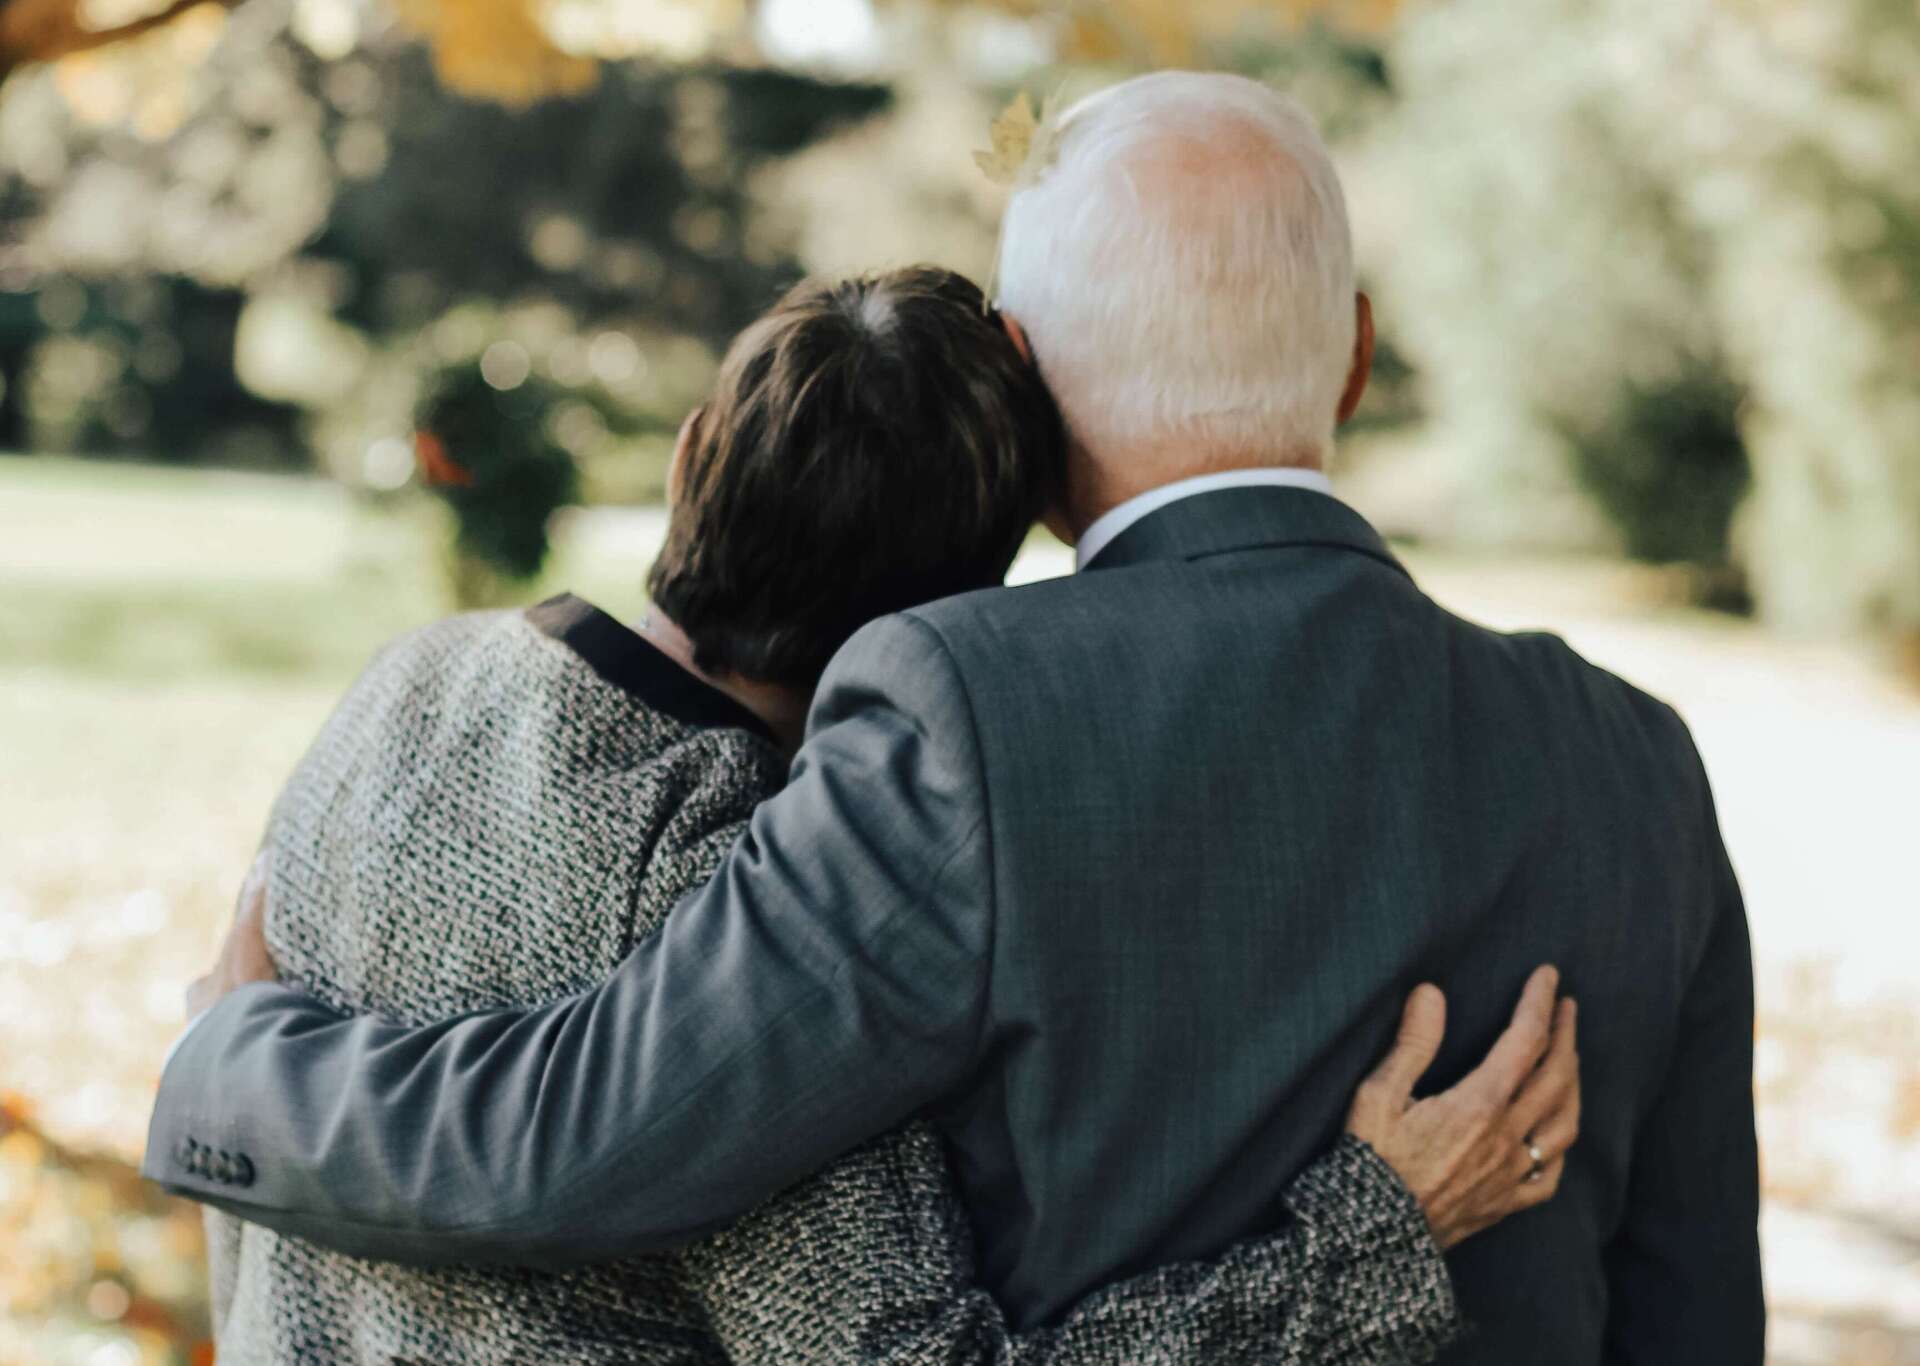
{"x":243,"y":955}
{"x":1496,"y":1143}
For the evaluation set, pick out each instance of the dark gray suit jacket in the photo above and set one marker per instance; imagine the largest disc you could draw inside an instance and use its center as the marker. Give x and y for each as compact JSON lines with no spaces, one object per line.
{"x":1122,"y":879}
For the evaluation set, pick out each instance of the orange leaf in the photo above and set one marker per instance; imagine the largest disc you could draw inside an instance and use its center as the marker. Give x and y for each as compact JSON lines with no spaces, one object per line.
{"x":436,"y":465}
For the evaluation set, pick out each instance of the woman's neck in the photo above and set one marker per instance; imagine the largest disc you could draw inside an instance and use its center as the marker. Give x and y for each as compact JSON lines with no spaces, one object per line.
{"x":782,"y":709}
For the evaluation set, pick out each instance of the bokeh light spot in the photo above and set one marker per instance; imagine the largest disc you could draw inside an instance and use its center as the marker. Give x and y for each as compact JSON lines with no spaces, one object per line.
{"x":505,"y":365}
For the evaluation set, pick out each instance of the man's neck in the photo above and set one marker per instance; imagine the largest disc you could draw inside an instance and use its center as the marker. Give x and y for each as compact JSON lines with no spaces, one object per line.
{"x":1116,"y":522}
{"x":781,"y":708}
{"x":1096,"y":485}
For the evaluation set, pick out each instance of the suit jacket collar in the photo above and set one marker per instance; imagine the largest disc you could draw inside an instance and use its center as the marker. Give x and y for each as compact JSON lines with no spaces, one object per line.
{"x":1251,"y":518}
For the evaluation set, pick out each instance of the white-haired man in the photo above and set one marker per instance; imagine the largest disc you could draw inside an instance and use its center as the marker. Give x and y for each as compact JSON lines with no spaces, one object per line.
{"x":1121,"y":878}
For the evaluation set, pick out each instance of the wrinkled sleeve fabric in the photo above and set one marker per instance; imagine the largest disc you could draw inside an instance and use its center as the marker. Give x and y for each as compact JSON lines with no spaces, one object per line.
{"x":1683,"y":1269}
{"x":1355,"y":1277}
{"x":829,"y":982}
{"x":872,"y":1262}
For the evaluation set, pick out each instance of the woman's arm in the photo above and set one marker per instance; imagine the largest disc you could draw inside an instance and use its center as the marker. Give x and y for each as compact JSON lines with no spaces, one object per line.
{"x":1355,"y":1277}
{"x":872,"y":1260}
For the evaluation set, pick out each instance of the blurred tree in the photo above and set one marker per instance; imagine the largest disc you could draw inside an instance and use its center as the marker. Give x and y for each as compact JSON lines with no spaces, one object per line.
{"x":1668,"y":466}
{"x":1162,"y":33}
{"x":486,"y":451}
{"x":46,"y":30}
{"x":361,"y":226}
{"x":496,"y":49}
{"x":1629,"y":212}
{"x":139,"y":366}
{"x":632,"y":192}
{"x":20,"y":328}
{"x":506,"y":49}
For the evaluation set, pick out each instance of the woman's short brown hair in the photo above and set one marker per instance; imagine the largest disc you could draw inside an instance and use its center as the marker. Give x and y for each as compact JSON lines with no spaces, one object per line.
{"x":871,"y":444}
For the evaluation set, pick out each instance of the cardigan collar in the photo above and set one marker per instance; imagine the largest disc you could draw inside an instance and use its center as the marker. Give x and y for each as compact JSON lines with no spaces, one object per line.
{"x":629,"y":661}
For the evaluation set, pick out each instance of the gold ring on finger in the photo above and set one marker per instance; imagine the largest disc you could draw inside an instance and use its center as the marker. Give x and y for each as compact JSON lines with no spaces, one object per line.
{"x":1539,"y":1160}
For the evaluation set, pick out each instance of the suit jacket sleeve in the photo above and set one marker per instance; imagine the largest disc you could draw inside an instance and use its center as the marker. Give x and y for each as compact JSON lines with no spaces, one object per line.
{"x":1684,"y":1267}
{"x":827,"y":983}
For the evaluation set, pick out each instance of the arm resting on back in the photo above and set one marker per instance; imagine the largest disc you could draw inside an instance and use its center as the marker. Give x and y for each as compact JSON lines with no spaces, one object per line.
{"x":827,"y":983}
{"x":1684,"y":1268}
{"x":873,"y":1261}
{"x":1356,"y":1276}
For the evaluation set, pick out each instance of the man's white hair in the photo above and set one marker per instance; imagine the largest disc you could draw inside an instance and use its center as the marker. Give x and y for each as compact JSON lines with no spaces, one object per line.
{"x":1183,"y":265}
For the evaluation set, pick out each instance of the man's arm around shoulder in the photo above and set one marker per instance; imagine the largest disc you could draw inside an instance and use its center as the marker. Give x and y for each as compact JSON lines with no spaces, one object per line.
{"x":827,"y":983}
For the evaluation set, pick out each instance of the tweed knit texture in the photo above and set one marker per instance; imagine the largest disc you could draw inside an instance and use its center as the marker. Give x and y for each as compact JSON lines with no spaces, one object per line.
{"x":487,"y":821}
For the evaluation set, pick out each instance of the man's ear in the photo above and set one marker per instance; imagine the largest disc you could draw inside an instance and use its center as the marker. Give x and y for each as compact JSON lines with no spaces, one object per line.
{"x":1362,"y":360}
{"x":689,"y":431}
{"x":1019,"y":335}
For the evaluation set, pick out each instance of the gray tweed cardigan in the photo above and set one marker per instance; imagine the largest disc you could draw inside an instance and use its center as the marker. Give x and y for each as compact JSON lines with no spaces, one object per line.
{"x":553,"y":768}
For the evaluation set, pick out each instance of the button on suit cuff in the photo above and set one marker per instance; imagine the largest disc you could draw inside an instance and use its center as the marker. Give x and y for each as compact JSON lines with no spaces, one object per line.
{"x":217,"y":1165}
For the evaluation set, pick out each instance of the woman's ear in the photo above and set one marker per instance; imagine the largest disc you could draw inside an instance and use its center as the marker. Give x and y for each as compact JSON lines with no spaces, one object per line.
{"x":689,"y":432}
{"x":1019,"y":335}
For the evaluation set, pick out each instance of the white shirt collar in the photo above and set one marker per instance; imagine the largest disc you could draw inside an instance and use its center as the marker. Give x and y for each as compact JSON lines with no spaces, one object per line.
{"x":1102,"y":533}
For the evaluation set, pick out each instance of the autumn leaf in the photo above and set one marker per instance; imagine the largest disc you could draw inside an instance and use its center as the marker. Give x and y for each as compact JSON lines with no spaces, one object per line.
{"x":497,"y":50}
{"x":1013,"y":134}
{"x":46,"y":30}
{"x":437,"y":466}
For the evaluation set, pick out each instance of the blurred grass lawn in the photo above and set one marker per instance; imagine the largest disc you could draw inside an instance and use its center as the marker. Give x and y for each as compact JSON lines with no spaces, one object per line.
{"x":169,"y":640}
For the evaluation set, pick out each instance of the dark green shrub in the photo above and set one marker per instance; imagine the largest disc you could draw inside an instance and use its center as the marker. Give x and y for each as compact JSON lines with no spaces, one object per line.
{"x":488,"y":454}
{"x":1668,"y":466}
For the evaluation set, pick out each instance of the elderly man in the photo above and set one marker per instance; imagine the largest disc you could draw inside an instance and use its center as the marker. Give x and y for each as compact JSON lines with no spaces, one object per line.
{"x":1119,"y":878}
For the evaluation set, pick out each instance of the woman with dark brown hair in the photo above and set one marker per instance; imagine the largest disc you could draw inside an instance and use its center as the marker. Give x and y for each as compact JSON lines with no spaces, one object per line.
{"x":870,"y":445}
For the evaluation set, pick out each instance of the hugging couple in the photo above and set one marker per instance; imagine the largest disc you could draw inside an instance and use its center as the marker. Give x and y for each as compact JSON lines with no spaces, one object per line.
{"x":858,"y":961}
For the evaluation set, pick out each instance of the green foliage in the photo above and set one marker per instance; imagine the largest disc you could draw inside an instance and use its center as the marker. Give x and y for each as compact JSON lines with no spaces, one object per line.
{"x":1668,"y":465}
{"x":1342,"y":76}
{"x":358,"y":190}
{"x":487,"y":452}
{"x":630,"y":199}
{"x":1597,"y":193}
